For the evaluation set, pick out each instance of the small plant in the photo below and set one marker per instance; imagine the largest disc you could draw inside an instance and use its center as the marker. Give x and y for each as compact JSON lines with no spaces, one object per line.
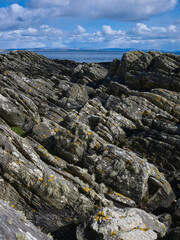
{"x":18,"y":131}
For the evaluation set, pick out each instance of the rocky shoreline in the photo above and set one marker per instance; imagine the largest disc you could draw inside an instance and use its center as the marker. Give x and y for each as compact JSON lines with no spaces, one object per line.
{"x":90,"y":151}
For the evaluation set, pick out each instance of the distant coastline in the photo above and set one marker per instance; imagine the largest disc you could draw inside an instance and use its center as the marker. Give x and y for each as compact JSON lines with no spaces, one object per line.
{"x":82,"y":55}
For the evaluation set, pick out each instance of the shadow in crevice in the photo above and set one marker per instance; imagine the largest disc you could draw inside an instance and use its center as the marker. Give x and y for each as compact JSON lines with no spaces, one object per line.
{"x":65,"y":233}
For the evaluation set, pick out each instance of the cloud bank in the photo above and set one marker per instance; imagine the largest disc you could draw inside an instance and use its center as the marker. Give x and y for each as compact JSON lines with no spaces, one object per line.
{"x":139,"y":35}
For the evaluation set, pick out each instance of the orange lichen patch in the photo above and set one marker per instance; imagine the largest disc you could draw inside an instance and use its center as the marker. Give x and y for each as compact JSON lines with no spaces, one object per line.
{"x":49,"y":180}
{"x":6,"y":72}
{"x":112,"y":234}
{"x":21,"y":100}
{"x":40,"y":179}
{"x":56,"y":129}
{"x":101,"y":171}
{"x":51,"y":176}
{"x":86,"y":189}
{"x":89,"y":133}
{"x":57,"y":158}
{"x":17,"y":161}
{"x":6,"y":152}
{"x":162,"y":226}
{"x":12,"y":206}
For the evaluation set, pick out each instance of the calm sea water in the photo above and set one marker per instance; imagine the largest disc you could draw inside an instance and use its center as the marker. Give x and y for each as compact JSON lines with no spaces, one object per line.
{"x":83,"y":56}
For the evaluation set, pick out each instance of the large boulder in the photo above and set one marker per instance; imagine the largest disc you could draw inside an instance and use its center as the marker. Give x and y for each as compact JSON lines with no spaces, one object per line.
{"x":124,"y":224}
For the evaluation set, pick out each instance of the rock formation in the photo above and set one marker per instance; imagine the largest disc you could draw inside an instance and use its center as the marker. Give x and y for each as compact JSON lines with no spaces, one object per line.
{"x":91,"y":151}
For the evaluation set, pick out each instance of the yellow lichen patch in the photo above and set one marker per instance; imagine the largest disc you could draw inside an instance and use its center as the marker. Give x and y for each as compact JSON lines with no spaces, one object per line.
{"x":143,"y":229}
{"x":6,"y":152}
{"x":86,"y":189}
{"x":162,"y":226}
{"x":101,"y":171}
{"x":107,"y":158}
{"x":104,"y":218}
{"x":47,"y":155}
{"x":51,"y":176}
{"x":119,"y":194}
{"x":112,"y":234}
{"x":44,"y":135}
{"x":96,"y":218}
{"x":30,"y":89}
{"x":52,"y":118}
{"x":21,"y":100}
{"x":12,"y":206}
{"x":101,"y":214}
{"x":40,"y":179}
{"x":89,"y":133}
{"x":40,"y":146}
{"x":68,"y":219}
{"x":146,"y":112}
{"x":6,"y":72}
{"x":56,"y":129}
{"x":57,"y":158}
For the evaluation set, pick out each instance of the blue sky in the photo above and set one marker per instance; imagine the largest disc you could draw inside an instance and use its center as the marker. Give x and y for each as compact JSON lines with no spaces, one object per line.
{"x":139,"y":24}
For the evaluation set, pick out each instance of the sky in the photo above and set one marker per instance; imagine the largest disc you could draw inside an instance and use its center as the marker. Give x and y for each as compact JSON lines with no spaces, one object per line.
{"x":94,"y":24}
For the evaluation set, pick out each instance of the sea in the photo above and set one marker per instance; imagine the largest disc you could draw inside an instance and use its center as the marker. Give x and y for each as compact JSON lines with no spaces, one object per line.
{"x":81,"y":55}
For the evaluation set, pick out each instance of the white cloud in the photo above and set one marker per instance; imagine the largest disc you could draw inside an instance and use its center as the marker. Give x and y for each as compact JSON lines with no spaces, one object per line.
{"x":16,"y":16}
{"x":109,"y":31}
{"x":140,"y":36}
{"x":80,"y":29}
{"x":128,"y":10}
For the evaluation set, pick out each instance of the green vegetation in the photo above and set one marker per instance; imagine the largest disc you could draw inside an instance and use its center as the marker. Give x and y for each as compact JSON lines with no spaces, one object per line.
{"x":19,"y":131}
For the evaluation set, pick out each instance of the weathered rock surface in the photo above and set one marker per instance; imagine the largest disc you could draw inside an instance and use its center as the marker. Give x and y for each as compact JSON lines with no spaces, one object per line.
{"x":91,"y":137}
{"x":125,"y":224}
{"x":14,"y":226}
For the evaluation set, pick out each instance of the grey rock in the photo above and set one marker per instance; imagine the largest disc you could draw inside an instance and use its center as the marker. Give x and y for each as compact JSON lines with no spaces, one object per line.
{"x":14,"y":226}
{"x":125,"y":224}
